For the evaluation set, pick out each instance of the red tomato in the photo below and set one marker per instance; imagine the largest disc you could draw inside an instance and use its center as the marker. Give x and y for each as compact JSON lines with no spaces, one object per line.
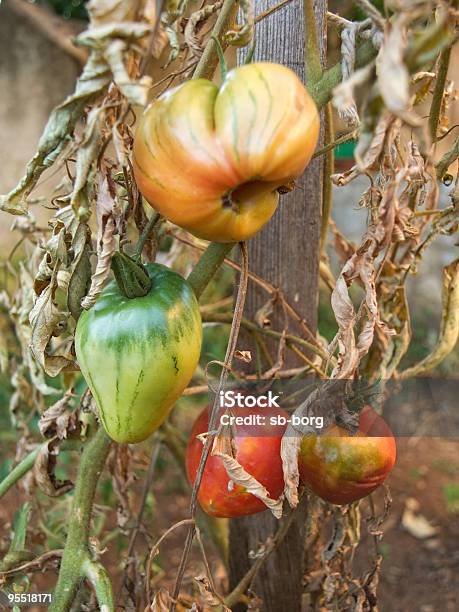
{"x":341,"y":468}
{"x":258,"y":452}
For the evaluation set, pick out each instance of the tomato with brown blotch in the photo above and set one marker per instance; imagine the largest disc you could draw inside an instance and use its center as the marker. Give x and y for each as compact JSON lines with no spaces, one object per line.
{"x":258,"y":452}
{"x":341,"y":468}
{"x":212,"y":160}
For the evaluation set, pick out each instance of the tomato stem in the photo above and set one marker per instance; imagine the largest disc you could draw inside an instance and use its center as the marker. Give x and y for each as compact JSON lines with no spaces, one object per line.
{"x":207,"y":266}
{"x":131,"y":276}
{"x":77,"y":555}
{"x":221,"y":57}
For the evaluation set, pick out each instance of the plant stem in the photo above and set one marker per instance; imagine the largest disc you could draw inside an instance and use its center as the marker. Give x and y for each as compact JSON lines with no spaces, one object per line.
{"x":149,"y":226}
{"x":76,"y":551}
{"x":97,"y":576}
{"x":448,"y":158}
{"x":437,"y":97}
{"x":28,"y":462}
{"x":19,"y":471}
{"x":346,"y":137}
{"x":209,"y":59}
{"x":208,"y":264}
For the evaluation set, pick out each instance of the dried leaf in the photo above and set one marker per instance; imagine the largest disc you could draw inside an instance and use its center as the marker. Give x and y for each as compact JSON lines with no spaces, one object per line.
{"x":222,"y":447}
{"x":245,"y":356}
{"x":44,"y":471}
{"x":161,"y":601}
{"x":368,"y":150}
{"x":290,"y":447}
{"x":61,"y":123}
{"x":195,"y":23}
{"x":110,"y":33}
{"x":135,"y":90}
{"x":337,"y":538}
{"x":106,"y":241}
{"x":88,"y":151}
{"x":394,"y":307}
{"x":80,"y":277}
{"x":243,"y":33}
{"x":46,"y":320}
{"x":58,"y":420}
{"x":209,"y":597}
{"x":393,"y":74}
{"x":23,"y":304}
{"x":375,"y":522}
{"x":293,"y":435}
{"x":263,"y":314}
{"x":103,"y":12}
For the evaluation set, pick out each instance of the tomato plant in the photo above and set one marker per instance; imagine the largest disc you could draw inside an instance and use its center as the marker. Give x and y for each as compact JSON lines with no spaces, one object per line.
{"x":257,"y":451}
{"x":342,"y":468}
{"x":212,"y":160}
{"x":138,"y":354}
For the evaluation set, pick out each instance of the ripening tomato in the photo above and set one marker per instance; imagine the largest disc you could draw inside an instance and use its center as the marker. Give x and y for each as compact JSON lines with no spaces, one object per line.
{"x":212,"y":160}
{"x":258,"y":452}
{"x":341,"y":468}
{"x":138,"y":354}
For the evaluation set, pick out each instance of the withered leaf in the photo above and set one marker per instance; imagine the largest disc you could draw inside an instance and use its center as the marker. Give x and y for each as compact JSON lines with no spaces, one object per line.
{"x":103,"y":12}
{"x":80,"y":282}
{"x":45,"y":318}
{"x":44,"y":471}
{"x":111,"y":31}
{"x":209,"y":597}
{"x":61,"y":123}
{"x":245,"y":356}
{"x":243,"y":32}
{"x":58,"y":420}
{"x":161,"y":601}
{"x":195,"y":23}
{"x":392,"y":73}
{"x":88,"y":150}
{"x":106,"y":241}
{"x":263,"y":314}
{"x":290,"y":446}
{"x":222,"y":447}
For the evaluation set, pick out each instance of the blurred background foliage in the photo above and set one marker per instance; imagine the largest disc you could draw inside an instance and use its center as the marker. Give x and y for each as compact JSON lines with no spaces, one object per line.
{"x":68,"y":9}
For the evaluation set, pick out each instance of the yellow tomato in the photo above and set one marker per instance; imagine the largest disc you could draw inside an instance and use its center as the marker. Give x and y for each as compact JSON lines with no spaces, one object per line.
{"x":211,"y":160}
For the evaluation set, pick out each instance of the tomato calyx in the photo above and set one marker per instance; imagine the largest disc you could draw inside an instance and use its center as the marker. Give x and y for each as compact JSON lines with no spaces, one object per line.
{"x":131,"y":276}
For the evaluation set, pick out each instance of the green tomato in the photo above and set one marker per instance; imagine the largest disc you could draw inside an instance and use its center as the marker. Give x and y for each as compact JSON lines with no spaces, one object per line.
{"x":138,"y":355}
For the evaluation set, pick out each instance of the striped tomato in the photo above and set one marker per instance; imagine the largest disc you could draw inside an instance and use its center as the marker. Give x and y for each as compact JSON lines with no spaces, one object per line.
{"x":341,"y":468}
{"x":137,"y":355}
{"x":212,"y":159}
